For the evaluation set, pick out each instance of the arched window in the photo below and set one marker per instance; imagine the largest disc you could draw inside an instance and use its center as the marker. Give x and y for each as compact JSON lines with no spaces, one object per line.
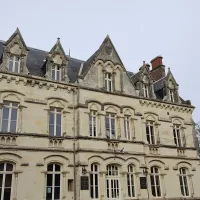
{"x":93,"y":123}
{"x":56,"y":73}
{"x":150,"y":132}
{"x":14,"y":64}
{"x":53,"y":182}
{"x":113,"y":182}
{"x":108,"y":82}
{"x":55,"y":121}
{"x":94,"y":181}
{"x":155,"y":181}
{"x":145,"y":89}
{"x":127,"y":127}
{"x":130,"y":181}
{"x":9,"y":117}
{"x":183,"y":178}
{"x":6,"y":176}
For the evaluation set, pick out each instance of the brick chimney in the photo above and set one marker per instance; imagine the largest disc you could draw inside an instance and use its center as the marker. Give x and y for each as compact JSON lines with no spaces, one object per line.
{"x":158,"y":69}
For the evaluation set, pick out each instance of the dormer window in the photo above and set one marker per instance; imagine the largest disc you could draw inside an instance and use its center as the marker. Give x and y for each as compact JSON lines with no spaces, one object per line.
{"x":145,"y":90}
{"x":108,"y":82}
{"x":14,"y":64}
{"x":171,"y":95}
{"x":56,"y":73}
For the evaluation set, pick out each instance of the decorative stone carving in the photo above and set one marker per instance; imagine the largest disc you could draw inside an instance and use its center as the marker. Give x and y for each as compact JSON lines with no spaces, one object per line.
{"x":15,"y":45}
{"x":57,"y":57}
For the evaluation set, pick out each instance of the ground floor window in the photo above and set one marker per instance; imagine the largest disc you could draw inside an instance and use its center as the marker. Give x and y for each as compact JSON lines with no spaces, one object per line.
{"x":6,"y":176}
{"x":53,"y":182}
{"x":112,"y":182}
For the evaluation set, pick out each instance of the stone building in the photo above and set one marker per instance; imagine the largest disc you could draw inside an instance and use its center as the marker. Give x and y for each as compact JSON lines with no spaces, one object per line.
{"x":91,"y":128}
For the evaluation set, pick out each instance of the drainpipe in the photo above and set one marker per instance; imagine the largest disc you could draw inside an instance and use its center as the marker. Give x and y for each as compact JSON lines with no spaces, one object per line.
{"x":74,"y":143}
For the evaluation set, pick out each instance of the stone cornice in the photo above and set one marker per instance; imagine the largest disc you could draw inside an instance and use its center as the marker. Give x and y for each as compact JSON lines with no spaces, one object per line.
{"x":36,"y":80}
{"x":137,"y":97}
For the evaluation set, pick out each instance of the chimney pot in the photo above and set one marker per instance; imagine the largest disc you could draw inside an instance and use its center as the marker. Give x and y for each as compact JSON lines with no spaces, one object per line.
{"x":157,"y":61}
{"x":158,"y":69}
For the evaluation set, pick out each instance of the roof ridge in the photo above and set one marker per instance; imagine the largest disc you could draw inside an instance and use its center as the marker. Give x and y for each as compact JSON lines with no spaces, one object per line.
{"x":159,"y":79}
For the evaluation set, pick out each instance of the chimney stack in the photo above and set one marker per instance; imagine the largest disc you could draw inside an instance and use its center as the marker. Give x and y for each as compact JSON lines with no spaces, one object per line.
{"x":158,"y":69}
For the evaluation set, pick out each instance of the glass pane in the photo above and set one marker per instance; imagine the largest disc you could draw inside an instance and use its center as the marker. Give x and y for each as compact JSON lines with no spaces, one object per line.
{"x":1,"y":166}
{"x":7,"y":192}
{"x":5,"y":112}
{"x":49,"y":179}
{"x":153,"y":191}
{"x":96,"y":192}
{"x":1,"y":179}
{"x":16,"y":69}
{"x":51,"y":130}
{"x":9,"y":167}
{"x":58,"y":119}
{"x":58,"y":75}
{"x":51,"y":118}
{"x":13,"y":125}
{"x":58,"y":130}
{"x":49,"y":193}
{"x":50,"y":168}
{"x":53,"y":74}
{"x":57,"y":168}
{"x":8,"y":180}
{"x":107,"y":122}
{"x":5,"y":125}
{"x":11,"y":64}
{"x":57,"y":193}
{"x":57,"y":179}
{"x":13,"y":114}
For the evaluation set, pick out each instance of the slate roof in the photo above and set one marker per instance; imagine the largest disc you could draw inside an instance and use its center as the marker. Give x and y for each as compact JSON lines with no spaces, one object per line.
{"x":158,"y":85}
{"x":36,"y":59}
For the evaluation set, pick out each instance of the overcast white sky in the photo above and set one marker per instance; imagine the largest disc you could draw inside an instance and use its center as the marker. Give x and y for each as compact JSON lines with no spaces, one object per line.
{"x":140,"y":30}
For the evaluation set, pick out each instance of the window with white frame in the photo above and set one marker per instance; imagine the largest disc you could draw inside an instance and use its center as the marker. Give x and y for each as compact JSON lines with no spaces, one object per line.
{"x":110,"y":126}
{"x":113,"y":182}
{"x":9,"y":117}
{"x":145,"y":90}
{"x":94,"y":181}
{"x":6,"y":181}
{"x":177,"y":136}
{"x":127,"y":127}
{"x":150,"y":132}
{"x":55,"y":121}
{"x":183,"y":178}
{"x":93,"y":123}
{"x":155,"y":182}
{"x":56,"y":73}
{"x":171,"y":95}
{"x":130,"y":181}
{"x":14,"y":64}
{"x":108,"y":82}
{"x":53,"y":182}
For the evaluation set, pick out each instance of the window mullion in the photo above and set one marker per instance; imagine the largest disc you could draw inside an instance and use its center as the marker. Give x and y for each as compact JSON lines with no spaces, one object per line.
{"x":3,"y":183}
{"x":9,"y":119}
{"x":55,"y":116}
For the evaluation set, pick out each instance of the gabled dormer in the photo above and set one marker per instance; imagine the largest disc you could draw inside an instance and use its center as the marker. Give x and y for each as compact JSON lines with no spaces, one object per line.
{"x":56,"y":65}
{"x":104,"y":70}
{"x":171,"y":88}
{"x":15,"y":54}
{"x":143,"y":82}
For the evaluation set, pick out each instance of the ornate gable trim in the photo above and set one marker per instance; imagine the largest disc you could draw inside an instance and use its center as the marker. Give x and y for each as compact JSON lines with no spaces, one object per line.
{"x":12,"y":37}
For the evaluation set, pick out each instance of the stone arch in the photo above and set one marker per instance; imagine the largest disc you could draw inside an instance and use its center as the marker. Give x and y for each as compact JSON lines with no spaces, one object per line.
{"x":111,"y":109}
{"x":10,"y":157}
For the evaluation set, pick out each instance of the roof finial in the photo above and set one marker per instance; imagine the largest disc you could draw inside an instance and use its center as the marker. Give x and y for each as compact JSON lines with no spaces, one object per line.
{"x":168,"y":68}
{"x":58,"y":39}
{"x":69,"y":52}
{"x":143,"y":62}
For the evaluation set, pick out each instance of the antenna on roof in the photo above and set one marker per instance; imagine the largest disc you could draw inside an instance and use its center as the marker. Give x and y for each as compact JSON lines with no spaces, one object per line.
{"x":69,"y":52}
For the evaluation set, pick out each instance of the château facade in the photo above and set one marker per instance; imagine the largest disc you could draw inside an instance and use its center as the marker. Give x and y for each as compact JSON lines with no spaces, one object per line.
{"x":91,"y":128}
